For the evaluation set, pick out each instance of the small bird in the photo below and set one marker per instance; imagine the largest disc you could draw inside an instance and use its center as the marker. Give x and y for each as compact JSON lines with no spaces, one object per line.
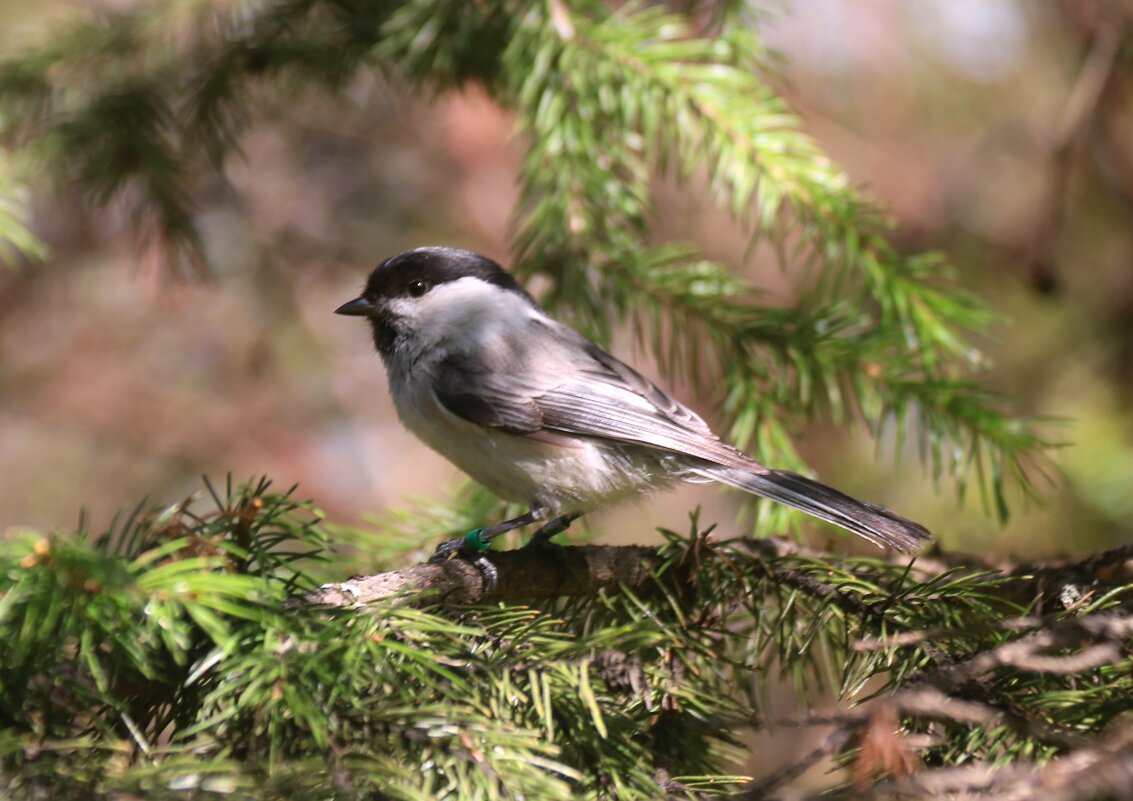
{"x":542,"y":416}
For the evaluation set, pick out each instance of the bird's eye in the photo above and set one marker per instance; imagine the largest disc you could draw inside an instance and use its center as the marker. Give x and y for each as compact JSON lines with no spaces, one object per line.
{"x":418,"y":288}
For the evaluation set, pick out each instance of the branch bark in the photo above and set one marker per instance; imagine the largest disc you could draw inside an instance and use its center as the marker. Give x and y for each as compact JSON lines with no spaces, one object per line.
{"x":551,"y":571}
{"x":527,"y":574}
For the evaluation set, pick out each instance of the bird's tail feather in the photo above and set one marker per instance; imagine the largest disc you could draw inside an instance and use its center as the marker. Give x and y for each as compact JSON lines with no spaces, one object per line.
{"x":880,"y":526}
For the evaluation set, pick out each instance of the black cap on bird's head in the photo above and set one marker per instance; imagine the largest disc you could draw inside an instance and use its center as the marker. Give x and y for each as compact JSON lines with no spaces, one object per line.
{"x":411,"y":275}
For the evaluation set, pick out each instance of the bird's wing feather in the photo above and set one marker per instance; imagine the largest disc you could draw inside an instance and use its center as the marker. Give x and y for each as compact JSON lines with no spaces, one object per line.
{"x":557,"y":387}
{"x":466,"y":387}
{"x":559,"y":382}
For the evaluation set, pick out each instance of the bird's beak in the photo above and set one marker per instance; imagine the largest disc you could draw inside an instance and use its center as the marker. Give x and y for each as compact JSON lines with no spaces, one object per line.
{"x":359,"y":307}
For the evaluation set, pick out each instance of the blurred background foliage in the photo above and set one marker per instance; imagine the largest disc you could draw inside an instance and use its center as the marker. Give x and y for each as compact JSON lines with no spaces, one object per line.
{"x":129,"y":368}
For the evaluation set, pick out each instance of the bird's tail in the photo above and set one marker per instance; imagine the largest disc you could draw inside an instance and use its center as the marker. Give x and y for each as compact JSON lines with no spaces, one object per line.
{"x":880,"y":526}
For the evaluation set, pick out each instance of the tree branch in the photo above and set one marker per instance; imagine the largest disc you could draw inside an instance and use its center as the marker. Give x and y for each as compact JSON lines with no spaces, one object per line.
{"x":526,"y":574}
{"x":551,"y":571}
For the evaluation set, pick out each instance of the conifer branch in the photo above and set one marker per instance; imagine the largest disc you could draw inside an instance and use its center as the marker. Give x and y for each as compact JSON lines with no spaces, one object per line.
{"x":196,"y":641}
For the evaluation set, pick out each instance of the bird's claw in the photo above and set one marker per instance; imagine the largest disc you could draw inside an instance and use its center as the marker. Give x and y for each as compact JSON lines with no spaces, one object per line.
{"x":489,"y":572}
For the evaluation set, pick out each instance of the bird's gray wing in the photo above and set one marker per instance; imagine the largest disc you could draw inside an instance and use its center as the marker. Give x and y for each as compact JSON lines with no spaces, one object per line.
{"x":557,"y":382}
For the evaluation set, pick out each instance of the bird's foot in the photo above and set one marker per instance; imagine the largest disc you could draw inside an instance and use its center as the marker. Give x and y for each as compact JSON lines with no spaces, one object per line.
{"x":471,"y":544}
{"x":472,"y":547}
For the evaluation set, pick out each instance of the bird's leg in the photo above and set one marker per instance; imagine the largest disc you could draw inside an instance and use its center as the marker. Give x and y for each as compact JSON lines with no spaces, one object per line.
{"x":552,"y":527}
{"x":473,"y":545}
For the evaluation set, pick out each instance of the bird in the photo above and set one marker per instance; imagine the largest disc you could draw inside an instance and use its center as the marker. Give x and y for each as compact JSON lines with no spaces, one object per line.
{"x":543,"y":417}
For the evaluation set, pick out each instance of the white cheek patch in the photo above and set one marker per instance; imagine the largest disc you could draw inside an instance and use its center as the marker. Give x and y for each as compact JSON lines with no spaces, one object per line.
{"x":463,"y":305}
{"x":403,"y":309}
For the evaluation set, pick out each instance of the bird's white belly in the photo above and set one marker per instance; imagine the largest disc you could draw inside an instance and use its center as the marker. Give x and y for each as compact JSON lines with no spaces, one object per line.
{"x":552,"y":479}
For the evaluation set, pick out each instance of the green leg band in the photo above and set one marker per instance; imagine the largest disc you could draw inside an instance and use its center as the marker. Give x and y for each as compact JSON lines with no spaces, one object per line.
{"x":475,"y":542}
